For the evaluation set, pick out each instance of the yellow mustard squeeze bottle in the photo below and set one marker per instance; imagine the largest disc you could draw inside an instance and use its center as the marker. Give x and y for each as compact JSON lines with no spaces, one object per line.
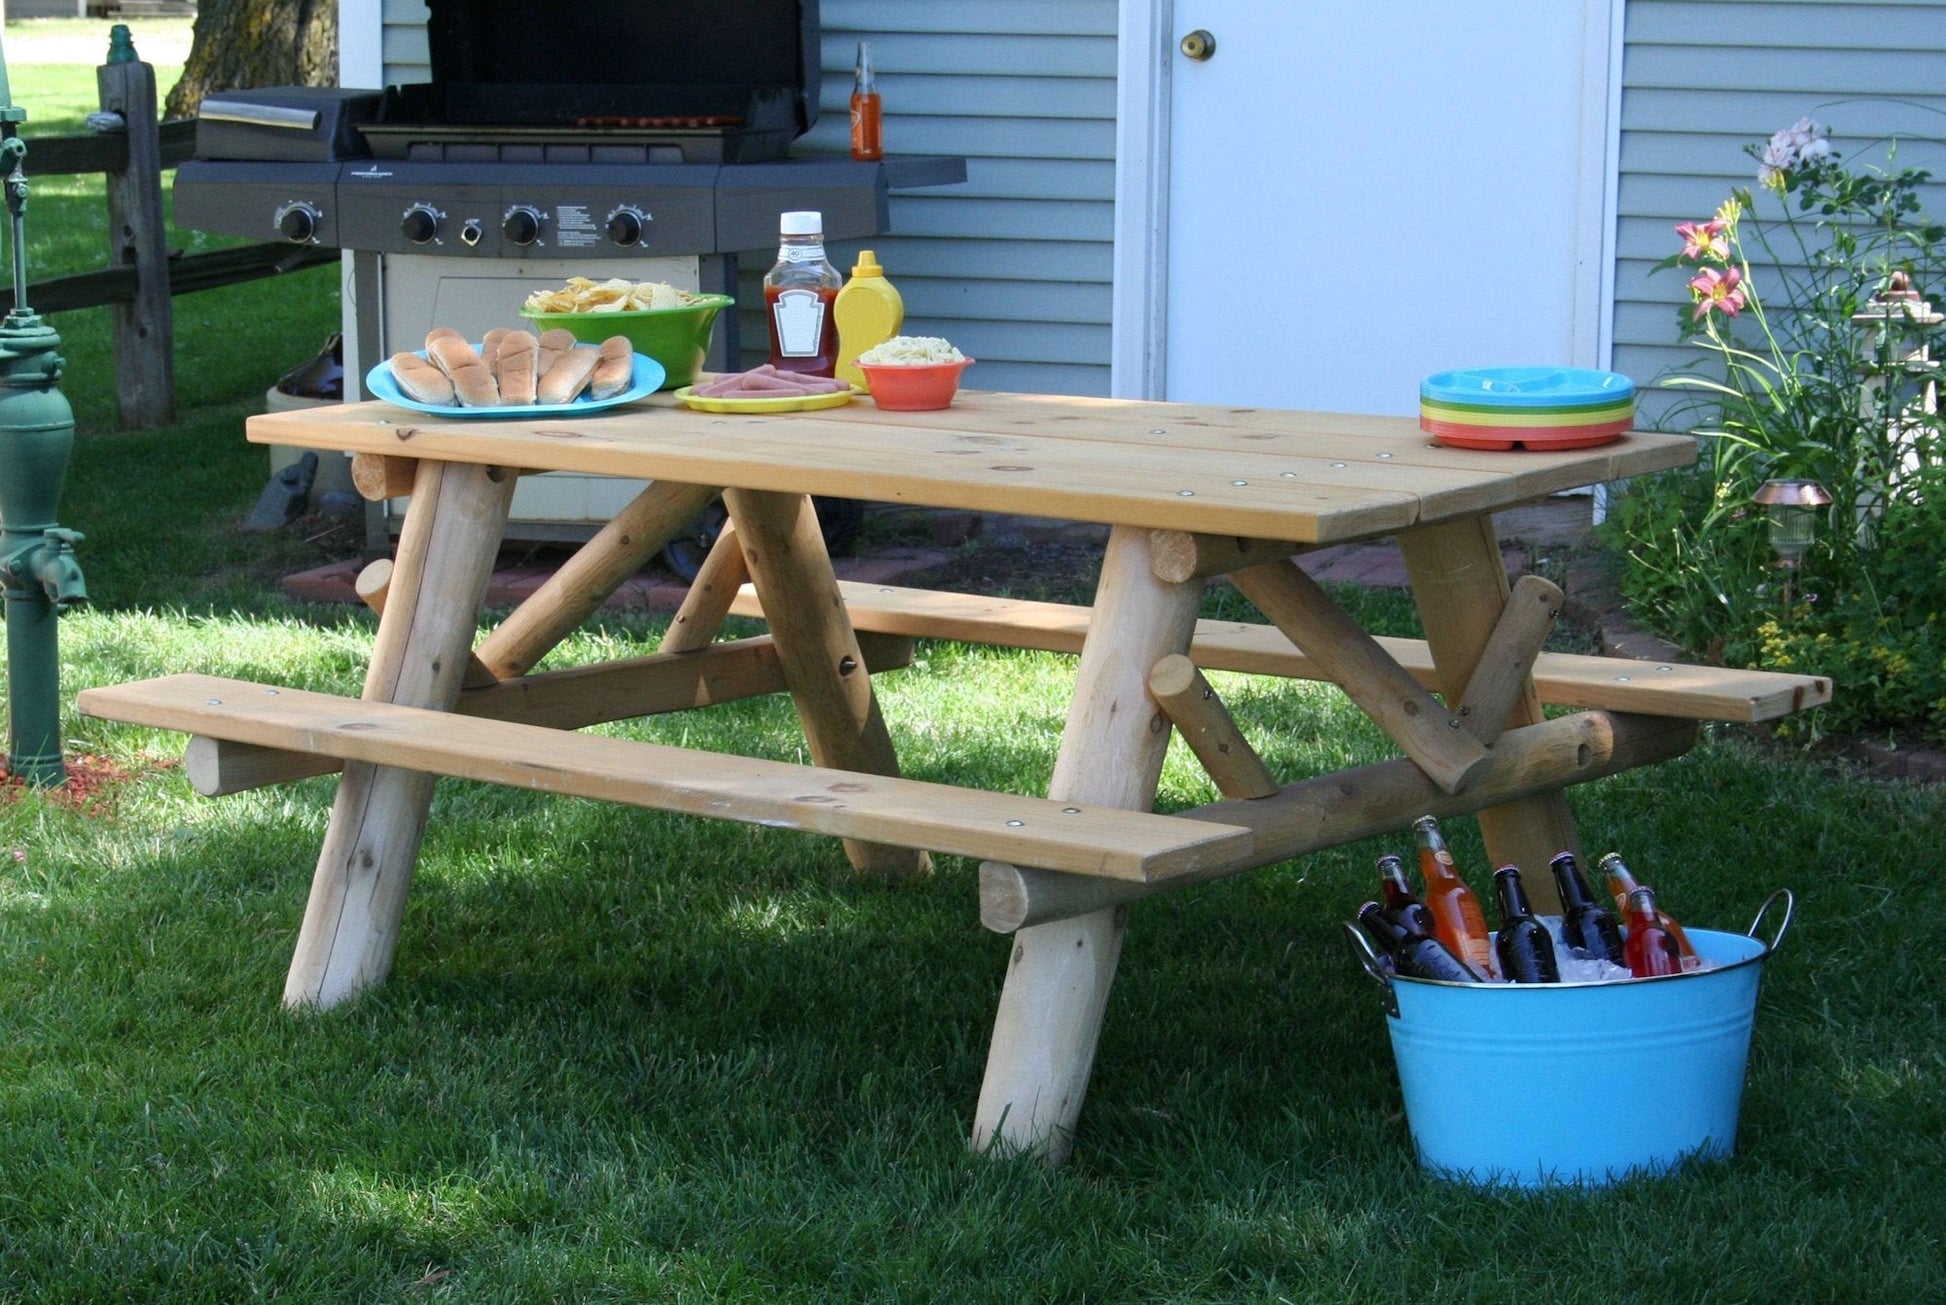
{"x":868,"y":312}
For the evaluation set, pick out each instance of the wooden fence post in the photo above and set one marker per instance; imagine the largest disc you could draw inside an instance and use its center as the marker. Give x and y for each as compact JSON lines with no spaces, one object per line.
{"x":144,"y":327}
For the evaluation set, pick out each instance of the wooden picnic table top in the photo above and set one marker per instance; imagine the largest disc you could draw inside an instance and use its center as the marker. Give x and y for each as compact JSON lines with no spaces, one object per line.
{"x":1260,"y":473}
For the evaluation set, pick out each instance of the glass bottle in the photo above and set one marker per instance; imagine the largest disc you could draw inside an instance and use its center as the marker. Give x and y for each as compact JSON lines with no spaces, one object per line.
{"x":1458,"y":920}
{"x":1523,"y":947}
{"x":1651,"y":950}
{"x":1586,"y":926}
{"x":1622,"y":882}
{"x":867,"y":123}
{"x":1396,"y":893}
{"x":1412,"y":953}
{"x":797,"y":298}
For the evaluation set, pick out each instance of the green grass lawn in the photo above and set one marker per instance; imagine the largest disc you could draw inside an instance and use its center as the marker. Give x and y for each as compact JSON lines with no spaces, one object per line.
{"x":630,"y":1056}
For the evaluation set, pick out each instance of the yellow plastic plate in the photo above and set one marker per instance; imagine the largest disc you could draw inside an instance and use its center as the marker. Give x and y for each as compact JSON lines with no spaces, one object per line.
{"x":782,"y":403}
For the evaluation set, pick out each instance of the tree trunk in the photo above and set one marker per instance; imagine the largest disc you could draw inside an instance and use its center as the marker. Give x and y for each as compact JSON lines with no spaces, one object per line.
{"x":237,"y":44}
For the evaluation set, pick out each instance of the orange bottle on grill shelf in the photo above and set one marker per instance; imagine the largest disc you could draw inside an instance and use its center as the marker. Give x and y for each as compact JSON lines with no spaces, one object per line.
{"x":1458,"y":920}
{"x":798,"y":295}
{"x":867,"y":113}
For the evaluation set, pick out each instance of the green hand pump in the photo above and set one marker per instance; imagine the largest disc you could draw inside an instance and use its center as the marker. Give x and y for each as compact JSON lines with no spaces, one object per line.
{"x":38,"y":569}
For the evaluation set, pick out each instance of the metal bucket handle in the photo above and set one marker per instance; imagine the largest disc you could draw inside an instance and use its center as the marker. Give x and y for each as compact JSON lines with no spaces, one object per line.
{"x":1783,"y":926}
{"x":1361,"y":949}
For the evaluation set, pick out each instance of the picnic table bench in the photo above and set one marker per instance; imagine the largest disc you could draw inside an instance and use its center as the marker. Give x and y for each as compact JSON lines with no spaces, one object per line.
{"x":1189,"y":491}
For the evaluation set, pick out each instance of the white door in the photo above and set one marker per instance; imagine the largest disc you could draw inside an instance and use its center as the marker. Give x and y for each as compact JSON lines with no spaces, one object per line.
{"x":1362,"y":194}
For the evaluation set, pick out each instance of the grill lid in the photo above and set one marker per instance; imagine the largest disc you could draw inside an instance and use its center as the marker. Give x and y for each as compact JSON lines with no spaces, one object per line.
{"x":500,"y":63}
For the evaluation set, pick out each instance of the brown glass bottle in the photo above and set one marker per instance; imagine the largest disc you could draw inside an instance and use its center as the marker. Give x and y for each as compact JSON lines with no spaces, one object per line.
{"x":1622,"y":882}
{"x":1457,"y":918}
{"x":1523,"y":946}
{"x":1396,"y":893}
{"x":1587,"y":927}
{"x":1413,"y":953}
{"x":1650,"y":950}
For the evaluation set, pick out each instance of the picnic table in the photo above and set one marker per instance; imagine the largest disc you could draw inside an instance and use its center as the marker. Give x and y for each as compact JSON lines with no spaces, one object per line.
{"x":1189,"y":491}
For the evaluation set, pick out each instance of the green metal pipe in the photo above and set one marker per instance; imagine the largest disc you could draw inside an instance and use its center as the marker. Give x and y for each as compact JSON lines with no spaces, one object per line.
{"x":38,"y":571}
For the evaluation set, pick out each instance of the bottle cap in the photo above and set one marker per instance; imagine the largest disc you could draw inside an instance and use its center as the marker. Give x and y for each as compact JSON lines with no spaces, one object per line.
{"x":801,"y":223}
{"x":867,"y":264}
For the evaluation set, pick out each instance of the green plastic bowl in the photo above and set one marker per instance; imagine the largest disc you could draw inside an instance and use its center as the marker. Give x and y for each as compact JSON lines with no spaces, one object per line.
{"x":675,"y":337}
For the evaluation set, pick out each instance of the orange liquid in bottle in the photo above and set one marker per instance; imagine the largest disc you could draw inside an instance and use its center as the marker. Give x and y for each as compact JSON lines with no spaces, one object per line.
{"x":867,"y":127}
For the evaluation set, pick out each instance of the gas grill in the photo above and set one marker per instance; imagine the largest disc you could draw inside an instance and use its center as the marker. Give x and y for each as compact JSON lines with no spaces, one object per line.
{"x":604,"y":138}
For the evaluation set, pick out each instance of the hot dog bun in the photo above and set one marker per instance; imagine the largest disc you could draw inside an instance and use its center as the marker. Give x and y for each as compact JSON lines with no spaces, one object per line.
{"x":513,"y":367}
{"x":421,"y":380}
{"x":473,"y":382}
{"x":569,"y":374}
{"x":555,"y":341}
{"x":614,"y":366}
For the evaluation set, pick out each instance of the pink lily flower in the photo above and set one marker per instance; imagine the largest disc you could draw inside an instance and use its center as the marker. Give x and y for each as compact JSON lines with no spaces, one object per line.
{"x":1717,"y":290}
{"x":1704,"y":240}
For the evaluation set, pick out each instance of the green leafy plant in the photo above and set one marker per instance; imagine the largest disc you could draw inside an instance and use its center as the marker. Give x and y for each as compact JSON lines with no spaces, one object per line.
{"x":1808,"y":302}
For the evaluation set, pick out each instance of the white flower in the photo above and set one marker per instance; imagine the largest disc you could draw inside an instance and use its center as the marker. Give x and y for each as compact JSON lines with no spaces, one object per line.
{"x":1798,"y":143}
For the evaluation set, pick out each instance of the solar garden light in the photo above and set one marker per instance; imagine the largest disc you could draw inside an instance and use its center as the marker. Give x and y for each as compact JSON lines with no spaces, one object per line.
{"x":38,"y":570}
{"x":1792,"y":509}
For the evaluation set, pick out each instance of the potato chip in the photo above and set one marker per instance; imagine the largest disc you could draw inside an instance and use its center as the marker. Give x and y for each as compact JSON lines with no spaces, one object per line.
{"x":615,"y":295}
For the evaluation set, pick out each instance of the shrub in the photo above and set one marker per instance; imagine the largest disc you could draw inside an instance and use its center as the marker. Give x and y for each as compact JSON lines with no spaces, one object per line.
{"x":1808,"y":304}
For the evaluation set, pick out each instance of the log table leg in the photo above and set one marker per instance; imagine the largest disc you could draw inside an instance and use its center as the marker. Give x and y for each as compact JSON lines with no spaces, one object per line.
{"x":1459,"y":584}
{"x":1059,"y":973}
{"x":446,"y":552}
{"x":784,"y":550}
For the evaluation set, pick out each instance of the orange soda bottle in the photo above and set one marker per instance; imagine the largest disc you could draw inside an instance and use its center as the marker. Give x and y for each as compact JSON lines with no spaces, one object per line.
{"x":1457,"y":918}
{"x":1622,"y":882}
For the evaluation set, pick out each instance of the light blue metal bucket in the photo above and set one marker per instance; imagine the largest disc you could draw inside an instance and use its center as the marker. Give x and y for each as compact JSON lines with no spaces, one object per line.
{"x":1577,"y":1083}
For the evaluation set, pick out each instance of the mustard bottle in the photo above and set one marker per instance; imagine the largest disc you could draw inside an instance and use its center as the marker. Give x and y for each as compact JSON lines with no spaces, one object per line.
{"x":868,"y":312}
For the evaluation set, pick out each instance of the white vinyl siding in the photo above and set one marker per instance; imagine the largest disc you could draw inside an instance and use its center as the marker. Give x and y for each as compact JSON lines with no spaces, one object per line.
{"x":1701,"y":79}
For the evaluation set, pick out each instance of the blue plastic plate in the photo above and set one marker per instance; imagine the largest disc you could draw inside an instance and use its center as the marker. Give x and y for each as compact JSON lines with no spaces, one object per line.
{"x":1542,"y":388}
{"x":645,"y":379}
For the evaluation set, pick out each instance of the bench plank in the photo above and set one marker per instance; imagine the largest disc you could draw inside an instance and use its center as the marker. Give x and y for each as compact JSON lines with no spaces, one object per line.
{"x":1080,"y":839}
{"x":1563,"y":679}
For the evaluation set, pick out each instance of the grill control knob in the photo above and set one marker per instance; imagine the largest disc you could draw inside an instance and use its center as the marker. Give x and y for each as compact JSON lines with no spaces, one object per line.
{"x":420,"y":224}
{"x":297,"y":223}
{"x":627,"y":226}
{"x":522,"y":225}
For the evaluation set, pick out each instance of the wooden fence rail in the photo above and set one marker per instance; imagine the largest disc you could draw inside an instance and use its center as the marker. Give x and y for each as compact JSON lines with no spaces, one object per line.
{"x":143,"y":273}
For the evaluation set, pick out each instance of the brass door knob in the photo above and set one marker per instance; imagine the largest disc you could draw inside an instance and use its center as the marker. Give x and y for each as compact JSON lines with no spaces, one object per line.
{"x":1198,"y":45}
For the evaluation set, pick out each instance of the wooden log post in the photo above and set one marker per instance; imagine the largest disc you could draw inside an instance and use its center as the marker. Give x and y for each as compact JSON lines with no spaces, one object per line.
{"x":1180,"y":555}
{"x":1505,"y":673}
{"x":1314,"y":814}
{"x":586,"y":580}
{"x":1459,"y":584}
{"x":1205,"y":724}
{"x":1419,"y":723}
{"x":378,"y":477}
{"x":829,"y":683}
{"x":143,"y":328}
{"x":1059,"y":974}
{"x":700,"y":617}
{"x":446,"y":555}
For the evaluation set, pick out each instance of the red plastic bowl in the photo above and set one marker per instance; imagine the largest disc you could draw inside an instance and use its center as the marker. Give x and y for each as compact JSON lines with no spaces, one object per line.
{"x":911,"y":387}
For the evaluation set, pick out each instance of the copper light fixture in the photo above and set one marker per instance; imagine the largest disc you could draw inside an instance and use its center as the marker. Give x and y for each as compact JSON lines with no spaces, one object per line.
{"x":1792,"y":509}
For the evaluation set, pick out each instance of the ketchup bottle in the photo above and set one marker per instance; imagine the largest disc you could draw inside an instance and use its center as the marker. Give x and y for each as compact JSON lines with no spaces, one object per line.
{"x":797,"y":298}
{"x":867,"y":120}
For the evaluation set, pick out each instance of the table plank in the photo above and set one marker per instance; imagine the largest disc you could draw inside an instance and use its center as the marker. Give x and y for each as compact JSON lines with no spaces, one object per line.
{"x":1081,"y":838}
{"x":1314,"y":478}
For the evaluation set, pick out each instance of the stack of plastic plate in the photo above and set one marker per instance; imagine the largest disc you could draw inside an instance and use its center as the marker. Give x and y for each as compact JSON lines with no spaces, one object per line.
{"x":1526,"y":407}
